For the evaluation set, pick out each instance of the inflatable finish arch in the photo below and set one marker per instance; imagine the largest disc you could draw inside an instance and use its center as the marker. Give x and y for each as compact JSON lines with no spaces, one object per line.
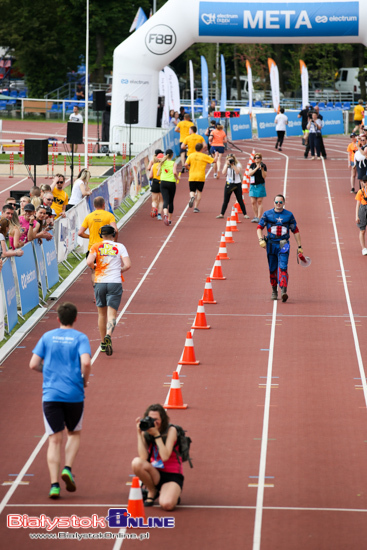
{"x":179,"y":24}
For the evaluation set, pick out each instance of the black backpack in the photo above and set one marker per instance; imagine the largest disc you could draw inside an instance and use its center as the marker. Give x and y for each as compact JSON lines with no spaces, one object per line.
{"x":182,"y":447}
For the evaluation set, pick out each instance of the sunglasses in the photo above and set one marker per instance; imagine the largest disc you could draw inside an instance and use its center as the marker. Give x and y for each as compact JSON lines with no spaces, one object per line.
{"x":278,"y":202}
{"x":257,"y":157}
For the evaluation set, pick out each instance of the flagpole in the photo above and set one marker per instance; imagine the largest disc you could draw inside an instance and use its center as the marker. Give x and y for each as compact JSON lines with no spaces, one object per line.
{"x":86,"y":94}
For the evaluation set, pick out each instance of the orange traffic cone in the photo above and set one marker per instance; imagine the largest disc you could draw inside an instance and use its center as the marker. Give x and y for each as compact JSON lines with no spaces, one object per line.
{"x":228,"y":234}
{"x":200,"y":319}
{"x":208,"y":297}
{"x":188,"y":356}
{"x":233,"y":223}
{"x":235,"y":213}
{"x":175,"y":400}
{"x":222,"y":253}
{"x":217,"y":274}
{"x":237,"y":207}
{"x":245,"y":183}
{"x":135,"y":505}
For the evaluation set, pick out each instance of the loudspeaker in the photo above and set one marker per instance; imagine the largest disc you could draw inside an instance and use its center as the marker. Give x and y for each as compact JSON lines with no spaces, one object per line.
{"x":99,"y":100}
{"x":131,"y":112}
{"x":35,"y":151}
{"x":74,"y":132}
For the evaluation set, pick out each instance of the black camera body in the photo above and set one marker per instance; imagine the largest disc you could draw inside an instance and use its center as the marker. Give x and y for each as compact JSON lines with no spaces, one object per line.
{"x":231,"y":161}
{"x":146,"y":423}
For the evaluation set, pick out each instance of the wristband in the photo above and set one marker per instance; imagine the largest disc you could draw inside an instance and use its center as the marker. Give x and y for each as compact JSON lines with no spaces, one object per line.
{"x":157,"y":437}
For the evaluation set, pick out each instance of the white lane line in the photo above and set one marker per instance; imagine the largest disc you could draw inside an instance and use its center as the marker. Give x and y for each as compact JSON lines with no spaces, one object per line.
{"x":345,"y":285}
{"x":44,"y":438}
{"x":264,"y":438}
{"x":14,"y":185}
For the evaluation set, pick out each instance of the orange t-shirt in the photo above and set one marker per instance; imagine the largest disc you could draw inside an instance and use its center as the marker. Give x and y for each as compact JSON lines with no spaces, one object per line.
{"x":219,"y":137}
{"x":361,"y":197}
{"x":351,"y":149}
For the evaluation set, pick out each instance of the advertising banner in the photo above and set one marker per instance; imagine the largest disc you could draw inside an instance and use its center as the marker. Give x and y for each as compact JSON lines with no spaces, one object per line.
{"x":172,"y":141}
{"x":304,"y":83}
{"x":10,"y":294}
{"x":294,"y":127}
{"x":205,"y":85}
{"x":241,"y":127}
{"x":274,"y":83}
{"x":63,"y":244}
{"x":202,"y":124}
{"x":251,"y":19}
{"x":223,"y":96}
{"x":250,"y":85}
{"x":333,"y":122}
{"x":52,"y":271}
{"x":27,"y":278}
{"x":266,"y":125}
{"x":41,"y":268}
{"x":173,"y":89}
{"x":2,"y":322}
{"x":191,"y":70}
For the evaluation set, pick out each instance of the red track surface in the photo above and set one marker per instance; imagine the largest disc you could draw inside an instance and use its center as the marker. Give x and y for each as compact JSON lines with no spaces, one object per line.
{"x":316,"y":447}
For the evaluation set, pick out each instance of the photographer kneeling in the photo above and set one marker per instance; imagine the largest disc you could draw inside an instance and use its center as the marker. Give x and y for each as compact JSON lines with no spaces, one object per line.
{"x":158,"y":465}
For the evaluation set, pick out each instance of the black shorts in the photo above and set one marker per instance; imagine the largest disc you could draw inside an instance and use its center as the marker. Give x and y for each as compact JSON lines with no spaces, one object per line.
{"x":156,"y":186}
{"x":167,"y":477}
{"x":196,"y":186}
{"x":108,"y":294}
{"x":358,"y":122}
{"x":57,"y":415}
{"x":362,"y":215}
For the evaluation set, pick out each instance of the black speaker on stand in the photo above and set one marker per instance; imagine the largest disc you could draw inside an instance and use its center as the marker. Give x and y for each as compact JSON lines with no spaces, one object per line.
{"x":99,"y":104}
{"x":131,"y":117}
{"x":36,"y":153}
{"x":74,"y":135}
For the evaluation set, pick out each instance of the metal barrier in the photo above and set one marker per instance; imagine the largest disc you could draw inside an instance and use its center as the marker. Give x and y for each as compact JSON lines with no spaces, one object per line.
{"x":141,"y":138}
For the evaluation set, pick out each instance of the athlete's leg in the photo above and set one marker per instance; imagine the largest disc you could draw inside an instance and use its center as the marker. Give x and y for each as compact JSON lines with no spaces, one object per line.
{"x":54,"y":455}
{"x":72,"y":447}
{"x":102,"y":321}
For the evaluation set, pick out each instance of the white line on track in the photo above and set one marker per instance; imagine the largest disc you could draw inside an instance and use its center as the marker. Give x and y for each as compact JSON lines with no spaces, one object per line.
{"x":264,"y":438}
{"x":344,"y":279}
{"x":14,"y":185}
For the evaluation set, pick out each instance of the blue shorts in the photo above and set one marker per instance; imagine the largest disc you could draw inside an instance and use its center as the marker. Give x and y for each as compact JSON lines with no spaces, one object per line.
{"x":257,"y":190}
{"x":216,"y":149}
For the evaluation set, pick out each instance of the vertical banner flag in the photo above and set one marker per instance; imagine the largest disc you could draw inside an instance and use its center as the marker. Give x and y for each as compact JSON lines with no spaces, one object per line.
{"x":52,"y":271}
{"x":41,"y":268}
{"x":205,"y":85}
{"x":192,"y":89}
{"x":274,"y":83}
{"x":163,"y":92}
{"x":223,"y":97}
{"x":249,"y":76}
{"x":10,"y":294}
{"x":304,"y":82}
{"x":27,"y":277}
{"x":139,"y":20}
{"x":173,"y":89}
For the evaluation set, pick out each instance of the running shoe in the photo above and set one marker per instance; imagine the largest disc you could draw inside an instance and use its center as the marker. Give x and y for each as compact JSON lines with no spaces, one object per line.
{"x":102,"y":347}
{"x":284,"y":294}
{"x":169,"y":223}
{"x":274,"y":293}
{"x":196,"y":210}
{"x":159,"y":217}
{"x":255,"y":220}
{"x":364,"y":252}
{"x":165,"y":220}
{"x":215,"y":175}
{"x":245,"y":216}
{"x":191,"y":202}
{"x":220,"y":216}
{"x":54,"y":493}
{"x":153,"y":212}
{"x":108,"y":344}
{"x":352,"y":190}
{"x":183,"y":170}
{"x":67,"y":476}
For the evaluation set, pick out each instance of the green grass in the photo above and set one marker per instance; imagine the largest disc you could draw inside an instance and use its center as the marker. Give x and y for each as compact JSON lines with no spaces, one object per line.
{"x":59,"y":159}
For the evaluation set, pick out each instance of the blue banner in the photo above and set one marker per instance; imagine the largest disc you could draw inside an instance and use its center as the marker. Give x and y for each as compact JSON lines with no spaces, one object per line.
{"x":281,"y":19}
{"x":333,"y":122}
{"x":27,"y":279}
{"x":241,"y":127}
{"x":266,"y":125}
{"x":223,"y":97}
{"x":52,"y":271}
{"x":172,"y":141}
{"x":205,"y":85}
{"x":202,"y":124}
{"x":41,"y":268}
{"x":100,"y":191}
{"x":10,"y":294}
{"x":294,"y":127}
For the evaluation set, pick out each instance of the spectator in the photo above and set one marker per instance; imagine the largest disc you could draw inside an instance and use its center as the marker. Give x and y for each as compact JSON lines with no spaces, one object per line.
{"x":7,"y":212}
{"x":358,"y":116}
{"x":4,"y":252}
{"x":40,"y":230}
{"x":12,"y":202}
{"x":351,"y":150}
{"x":314,"y":136}
{"x":174,"y":120}
{"x":361,"y":214}
{"x":158,"y":465}
{"x":61,"y":198}
{"x":360,"y":158}
{"x":23,"y":201}
{"x":182,"y":113}
{"x":15,"y":232}
{"x":63,"y":356}
{"x":81,"y":188}
{"x":75,"y":117}
{"x":44,"y":188}
{"x":80,"y":93}
{"x":48,"y":199}
{"x":321,"y":118}
{"x":233,"y":185}
{"x":281,"y":121}
{"x":212,"y":107}
{"x":257,"y":173}
{"x":35,"y":194}
{"x":26,"y":222}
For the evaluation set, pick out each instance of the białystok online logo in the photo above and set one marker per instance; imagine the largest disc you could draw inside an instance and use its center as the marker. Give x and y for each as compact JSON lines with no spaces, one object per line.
{"x":117,"y":517}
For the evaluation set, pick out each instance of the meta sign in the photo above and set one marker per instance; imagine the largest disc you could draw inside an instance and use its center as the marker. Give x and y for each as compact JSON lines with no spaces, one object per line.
{"x":251,"y":19}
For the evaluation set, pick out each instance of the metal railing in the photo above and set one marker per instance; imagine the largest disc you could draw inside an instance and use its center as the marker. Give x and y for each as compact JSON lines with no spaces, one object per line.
{"x":141,"y":138}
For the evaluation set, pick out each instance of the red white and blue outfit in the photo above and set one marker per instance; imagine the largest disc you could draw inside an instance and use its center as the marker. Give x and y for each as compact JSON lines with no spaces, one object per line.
{"x":278,"y":225}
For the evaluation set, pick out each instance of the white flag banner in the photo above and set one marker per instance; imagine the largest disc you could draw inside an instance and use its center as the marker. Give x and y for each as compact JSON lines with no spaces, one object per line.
{"x":304,"y":82}
{"x":173,"y":89}
{"x":163,"y":92}
{"x":249,"y":76}
{"x":274,"y":83}
{"x":192,"y":89}
{"x":72,"y":228}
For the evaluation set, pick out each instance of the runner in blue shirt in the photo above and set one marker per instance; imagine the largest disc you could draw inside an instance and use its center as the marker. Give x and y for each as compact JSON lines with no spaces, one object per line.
{"x":64,"y":358}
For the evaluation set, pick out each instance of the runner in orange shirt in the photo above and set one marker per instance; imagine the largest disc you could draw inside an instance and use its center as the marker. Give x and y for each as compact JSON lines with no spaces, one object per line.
{"x":219,"y":138}
{"x":351,"y":149}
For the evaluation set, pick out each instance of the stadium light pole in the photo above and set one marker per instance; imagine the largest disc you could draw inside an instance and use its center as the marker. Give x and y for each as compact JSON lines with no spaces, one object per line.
{"x":86,"y":94}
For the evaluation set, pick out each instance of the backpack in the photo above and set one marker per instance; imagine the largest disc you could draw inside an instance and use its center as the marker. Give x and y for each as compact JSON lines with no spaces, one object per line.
{"x":182,"y":447}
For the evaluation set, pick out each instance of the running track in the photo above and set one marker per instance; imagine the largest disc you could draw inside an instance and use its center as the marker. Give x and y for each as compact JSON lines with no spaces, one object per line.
{"x":277,"y":406}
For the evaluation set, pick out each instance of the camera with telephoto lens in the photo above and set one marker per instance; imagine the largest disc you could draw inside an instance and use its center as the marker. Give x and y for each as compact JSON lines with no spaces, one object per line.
{"x":146,"y":423}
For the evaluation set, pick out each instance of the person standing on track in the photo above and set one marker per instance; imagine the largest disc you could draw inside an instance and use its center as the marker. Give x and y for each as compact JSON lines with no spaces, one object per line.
{"x":281,"y":121}
{"x":196,"y":163}
{"x":278,"y":222}
{"x":358,"y":116}
{"x":218,"y":139}
{"x":167,"y":172}
{"x":233,"y":185}
{"x":351,"y":150}
{"x":109,"y":260}
{"x":314,"y":136}
{"x":361,"y":214}
{"x":63,"y":356}
{"x":257,"y":173}
{"x":183,"y":128}
{"x":158,"y":465}
{"x":360,"y":158}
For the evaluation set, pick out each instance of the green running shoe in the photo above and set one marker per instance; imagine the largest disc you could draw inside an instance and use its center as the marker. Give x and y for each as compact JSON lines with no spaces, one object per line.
{"x":108,"y":343}
{"x":67,"y":476}
{"x":54,"y":493}
{"x":102,"y":347}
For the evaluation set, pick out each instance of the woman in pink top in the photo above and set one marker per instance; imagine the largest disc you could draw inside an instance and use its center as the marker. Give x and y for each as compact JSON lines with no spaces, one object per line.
{"x":158,"y":466}
{"x":217,"y":140}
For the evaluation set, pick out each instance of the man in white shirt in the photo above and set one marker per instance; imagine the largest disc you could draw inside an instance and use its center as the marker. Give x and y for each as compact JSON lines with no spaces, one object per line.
{"x":75,"y":117}
{"x":281,"y":121}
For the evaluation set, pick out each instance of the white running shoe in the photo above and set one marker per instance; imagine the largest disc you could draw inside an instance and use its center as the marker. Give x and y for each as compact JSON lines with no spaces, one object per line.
{"x":364,"y":252}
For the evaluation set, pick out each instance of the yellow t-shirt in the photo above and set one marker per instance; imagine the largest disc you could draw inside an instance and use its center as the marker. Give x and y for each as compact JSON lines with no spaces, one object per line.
{"x":358,"y":112}
{"x":94,"y":221}
{"x":155,"y":170}
{"x":197,"y":162}
{"x":60,"y":199}
{"x":184,"y":127}
{"x":191,"y":140}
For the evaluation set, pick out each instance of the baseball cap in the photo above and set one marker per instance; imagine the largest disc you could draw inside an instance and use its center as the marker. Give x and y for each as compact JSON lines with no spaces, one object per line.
{"x":48,"y":210}
{"x":160,"y":156}
{"x":29,"y":208}
{"x":158,"y":152}
{"x":352,"y":134}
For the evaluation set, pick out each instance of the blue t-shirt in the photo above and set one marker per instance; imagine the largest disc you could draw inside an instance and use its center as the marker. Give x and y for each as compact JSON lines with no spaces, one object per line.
{"x":60,"y":350}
